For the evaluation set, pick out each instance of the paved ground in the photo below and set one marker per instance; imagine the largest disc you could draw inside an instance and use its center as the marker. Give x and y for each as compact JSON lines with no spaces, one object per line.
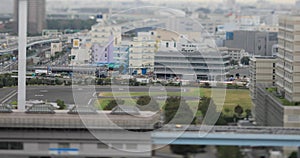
{"x":82,"y":94}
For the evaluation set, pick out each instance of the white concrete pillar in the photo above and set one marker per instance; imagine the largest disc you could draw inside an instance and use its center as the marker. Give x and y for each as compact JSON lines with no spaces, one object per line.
{"x":22,"y":55}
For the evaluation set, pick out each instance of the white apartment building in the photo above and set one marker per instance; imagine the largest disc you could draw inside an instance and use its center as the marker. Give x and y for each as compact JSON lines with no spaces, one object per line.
{"x":288,"y":66}
{"x":102,"y":32}
{"x":141,"y":51}
{"x":236,"y":54}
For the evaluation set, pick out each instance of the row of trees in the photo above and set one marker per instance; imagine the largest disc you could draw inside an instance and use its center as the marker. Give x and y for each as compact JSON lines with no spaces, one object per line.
{"x":144,"y":103}
{"x":75,"y":24}
{"x":7,"y":81}
{"x":177,"y":111}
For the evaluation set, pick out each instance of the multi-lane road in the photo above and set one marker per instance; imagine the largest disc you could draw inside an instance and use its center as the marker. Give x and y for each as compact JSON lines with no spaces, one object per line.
{"x":75,"y":94}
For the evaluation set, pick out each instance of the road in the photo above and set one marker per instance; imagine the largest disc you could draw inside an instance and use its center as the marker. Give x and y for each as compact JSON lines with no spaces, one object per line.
{"x":82,"y":94}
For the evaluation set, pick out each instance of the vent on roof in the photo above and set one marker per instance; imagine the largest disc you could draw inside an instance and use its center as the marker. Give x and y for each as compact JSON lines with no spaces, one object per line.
{"x":82,"y":109}
{"x":5,"y":109}
{"x":41,"y":109}
{"x":125,"y":110}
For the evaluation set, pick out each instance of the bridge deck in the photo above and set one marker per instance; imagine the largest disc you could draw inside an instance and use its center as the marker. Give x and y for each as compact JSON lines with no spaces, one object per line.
{"x":101,"y":120}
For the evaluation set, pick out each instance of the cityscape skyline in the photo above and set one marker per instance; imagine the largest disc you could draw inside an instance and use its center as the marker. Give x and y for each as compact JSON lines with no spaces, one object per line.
{"x":7,"y":5}
{"x":80,"y":82}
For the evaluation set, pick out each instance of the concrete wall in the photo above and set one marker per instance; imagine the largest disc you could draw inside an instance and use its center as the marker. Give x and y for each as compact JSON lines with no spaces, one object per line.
{"x":38,"y":143}
{"x":254,"y":42}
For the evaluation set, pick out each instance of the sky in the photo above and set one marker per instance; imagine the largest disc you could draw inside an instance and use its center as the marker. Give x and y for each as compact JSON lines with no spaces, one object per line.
{"x":7,"y":5}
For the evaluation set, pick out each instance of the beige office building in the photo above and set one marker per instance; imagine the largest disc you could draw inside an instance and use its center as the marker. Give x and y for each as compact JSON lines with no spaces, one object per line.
{"x":262,"y":71}
{"x":36,"y":16}
{"x":288,"y":66}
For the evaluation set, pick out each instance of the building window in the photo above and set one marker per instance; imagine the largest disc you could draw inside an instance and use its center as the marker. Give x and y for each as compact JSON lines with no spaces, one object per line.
{"x":63,"y":145}
{"x":167,"y":44}
{"x":174,"y":44}
{"x":102,"y":146}
{"x":117,"y":146}
{"x":11,"y":146}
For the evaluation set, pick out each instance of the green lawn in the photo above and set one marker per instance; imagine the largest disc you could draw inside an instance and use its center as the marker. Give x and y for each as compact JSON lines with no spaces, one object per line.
{"x":233,"y":98}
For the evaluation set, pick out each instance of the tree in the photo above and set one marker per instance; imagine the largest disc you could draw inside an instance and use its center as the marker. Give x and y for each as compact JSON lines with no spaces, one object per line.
{"x":221,"y":120}
{"x":238,"y":110}
{"x":204,"y":104}
{"x":248,"y":113}
{"x":233,"y":62}
{"x":293,"y":155}
{"x":121,"y":69}
{"x":146,"y":103}
{"x":113,"y":103}
{"x":177,"y":111}
{"x":229,"y":151}
{"x":61,"y":104}
{"x":245,"y":60}
{"x":185,"y":150}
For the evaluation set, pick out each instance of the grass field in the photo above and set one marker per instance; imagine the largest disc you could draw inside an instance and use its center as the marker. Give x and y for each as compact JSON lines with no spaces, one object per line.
{"x":233,"y":97}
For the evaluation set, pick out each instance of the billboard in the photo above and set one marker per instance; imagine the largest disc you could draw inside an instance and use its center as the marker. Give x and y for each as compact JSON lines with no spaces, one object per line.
{"x":76,"y":43}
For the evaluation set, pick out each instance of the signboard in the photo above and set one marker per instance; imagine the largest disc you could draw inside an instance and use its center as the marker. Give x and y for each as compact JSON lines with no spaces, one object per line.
{"x":41,"y":71}
{"x":63,"y":151}
{"x":76,"y":43}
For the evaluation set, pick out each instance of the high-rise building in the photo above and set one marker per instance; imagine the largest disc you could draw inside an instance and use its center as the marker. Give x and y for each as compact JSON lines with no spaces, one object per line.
{"x":262,"y":72}
{"x":288,"y":66}
{"x":36,"y":16}
{"x":255,"y":42}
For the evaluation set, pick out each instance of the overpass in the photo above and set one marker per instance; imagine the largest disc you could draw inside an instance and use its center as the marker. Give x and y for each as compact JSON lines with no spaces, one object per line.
{"x":64,"y":68}
{"x":29,"y":44}
{"x":65,"y":133}
{"x":228,"y":135}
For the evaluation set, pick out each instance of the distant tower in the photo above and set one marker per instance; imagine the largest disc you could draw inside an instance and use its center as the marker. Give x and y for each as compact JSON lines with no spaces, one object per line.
{"x":36,"y":16}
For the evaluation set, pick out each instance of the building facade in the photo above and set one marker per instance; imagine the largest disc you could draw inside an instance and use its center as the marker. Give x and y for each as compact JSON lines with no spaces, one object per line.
{"x":121,"y":56}
{"x":142,"y":50}
{"x":254,"y":42}
{"x":56,"y":47}
{"x":204,"y":64}
{"x":36,"y":16}
{"x":288,"y":67}
{"x":236,"y":54}
{"x":262,"y":71}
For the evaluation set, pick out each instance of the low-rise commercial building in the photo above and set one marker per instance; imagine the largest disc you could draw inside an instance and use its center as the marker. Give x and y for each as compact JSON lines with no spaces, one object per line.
{"x":203,"y":64}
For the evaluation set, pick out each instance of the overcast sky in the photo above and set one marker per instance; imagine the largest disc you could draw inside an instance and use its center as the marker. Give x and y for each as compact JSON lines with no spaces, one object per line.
{"x":7,"y":5}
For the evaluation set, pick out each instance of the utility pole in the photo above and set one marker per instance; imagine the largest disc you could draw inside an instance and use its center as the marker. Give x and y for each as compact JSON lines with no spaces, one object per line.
{"x":22,"y":54}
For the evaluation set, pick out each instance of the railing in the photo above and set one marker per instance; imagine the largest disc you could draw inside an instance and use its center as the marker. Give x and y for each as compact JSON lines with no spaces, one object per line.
{"x":233,"y":129}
